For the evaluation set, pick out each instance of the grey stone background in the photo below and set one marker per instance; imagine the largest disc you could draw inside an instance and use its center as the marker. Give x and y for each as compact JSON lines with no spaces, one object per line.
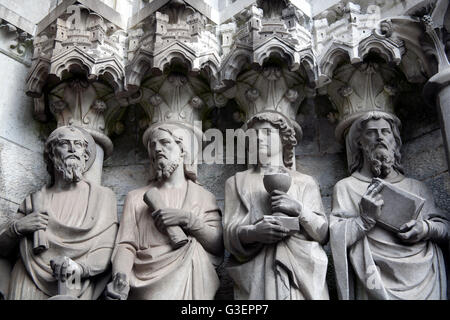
{"x":21,"y":144}
{"x":22,"y":169}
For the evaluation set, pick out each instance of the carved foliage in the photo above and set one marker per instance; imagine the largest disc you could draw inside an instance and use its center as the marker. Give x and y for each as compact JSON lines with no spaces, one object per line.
{"x":175,"y":97}
{"x":18,"y":42}
{"x":272,"y":88}
{"x":80,"y":103}
{"x":360,"y":88}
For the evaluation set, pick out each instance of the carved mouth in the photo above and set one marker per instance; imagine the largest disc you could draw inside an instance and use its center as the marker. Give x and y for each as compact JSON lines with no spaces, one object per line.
{"x":160,"y":156}
{"x":72,"y":156}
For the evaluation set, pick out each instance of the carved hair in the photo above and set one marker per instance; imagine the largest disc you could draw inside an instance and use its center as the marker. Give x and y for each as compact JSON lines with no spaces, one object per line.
{"x":189,"y":168}
{"x":287,"y":134}
{"x":50,"y":144}
{"x":357,"y":129}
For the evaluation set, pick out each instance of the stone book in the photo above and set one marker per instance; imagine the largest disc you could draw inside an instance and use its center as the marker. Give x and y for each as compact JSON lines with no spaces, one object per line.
{"x":291,"y":223}
{"x":399,"y":207}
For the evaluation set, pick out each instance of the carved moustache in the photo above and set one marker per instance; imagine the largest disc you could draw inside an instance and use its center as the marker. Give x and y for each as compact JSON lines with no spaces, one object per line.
{"x":72,"y":156}
{"x":71,"y":167}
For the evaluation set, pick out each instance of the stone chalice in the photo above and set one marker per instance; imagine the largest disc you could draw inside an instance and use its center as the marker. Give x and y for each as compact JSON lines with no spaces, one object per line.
{"x":281,"y":181}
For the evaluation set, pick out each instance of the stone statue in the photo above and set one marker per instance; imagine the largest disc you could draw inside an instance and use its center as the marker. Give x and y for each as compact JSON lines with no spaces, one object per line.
{"x":384,"y":227}
{"x":64,"y":232}
{"x":170,"y":235}
{"x":272,"y":257}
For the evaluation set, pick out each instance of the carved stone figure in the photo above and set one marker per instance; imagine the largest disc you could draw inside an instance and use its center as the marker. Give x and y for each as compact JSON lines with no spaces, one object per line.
{"x":64,"y":232}
{"x":271,"y":257}
{"x":384,"y":231}
{"x":152,"y":259}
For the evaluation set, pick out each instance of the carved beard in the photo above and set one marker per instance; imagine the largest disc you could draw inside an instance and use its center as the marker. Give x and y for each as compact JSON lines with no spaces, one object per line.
{"x":165,"y":168}
{"x":71,"y":169}
{"x":381,"y":159}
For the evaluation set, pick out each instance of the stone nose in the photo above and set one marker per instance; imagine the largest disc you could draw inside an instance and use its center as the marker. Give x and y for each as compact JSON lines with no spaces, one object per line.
{"x":71,"y":147}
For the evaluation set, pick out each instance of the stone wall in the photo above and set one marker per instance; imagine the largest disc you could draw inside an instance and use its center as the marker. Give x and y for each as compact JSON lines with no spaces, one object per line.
{"x":21,"y":138}
{"x":318,"y":154}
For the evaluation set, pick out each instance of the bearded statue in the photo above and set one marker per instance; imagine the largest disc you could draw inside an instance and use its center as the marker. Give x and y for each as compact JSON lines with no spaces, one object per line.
{"x":385,"y":230}
{"x":170,"y":237}
{"x":64,"y":233}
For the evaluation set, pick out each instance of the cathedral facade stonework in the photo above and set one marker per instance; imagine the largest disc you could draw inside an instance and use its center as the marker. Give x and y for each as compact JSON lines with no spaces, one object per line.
{"x":314,"y":71}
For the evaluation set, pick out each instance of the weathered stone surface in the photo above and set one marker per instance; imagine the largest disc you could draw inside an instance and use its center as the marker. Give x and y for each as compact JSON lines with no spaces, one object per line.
{"x":327,"y":140}
{"x":307,"y":118}
{"x":123,"y":179}
{"x":225,"y":291}
{"x":7,"y":208}
{"x":440,"y":186}
{"x":213,"y":177}
{"x":16,"y":121}
{"x":22,"y":170}
{"x":326,"y":200}
{"x":327,"y":170}
{"x":417,"y":117}
{"x":28,"y":8}
{"x":424,"y":157}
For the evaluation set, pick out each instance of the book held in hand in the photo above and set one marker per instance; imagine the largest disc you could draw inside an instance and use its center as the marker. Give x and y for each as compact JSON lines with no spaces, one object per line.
{"x":399,"y":207}
{"x":290,"y":223}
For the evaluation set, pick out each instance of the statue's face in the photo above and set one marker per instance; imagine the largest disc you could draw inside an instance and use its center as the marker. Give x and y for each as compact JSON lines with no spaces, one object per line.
{"x":378,"y":144}
{"x":378,"y":134}
{"x":70,"y":146}
{"x":269,"y":141}
{"x":166,"y":154}
{"x":69,"y":155}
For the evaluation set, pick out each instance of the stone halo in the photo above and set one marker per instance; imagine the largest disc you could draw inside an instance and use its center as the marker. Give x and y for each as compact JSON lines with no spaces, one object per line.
{"x":92,"y":147}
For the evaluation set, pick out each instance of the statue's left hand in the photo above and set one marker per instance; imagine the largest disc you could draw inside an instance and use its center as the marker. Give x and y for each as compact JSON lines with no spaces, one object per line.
{"x":170,"y":217}
{"x":282,"y":202}
{"x":412,"y":231}
{"x":63,"y":268}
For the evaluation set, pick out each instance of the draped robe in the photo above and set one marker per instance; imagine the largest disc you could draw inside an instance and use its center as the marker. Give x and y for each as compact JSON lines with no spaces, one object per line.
{"x":82,"y":226}
{"x":295,"y":267}
{"x":158,"y":271}
{"x":377,"y":264}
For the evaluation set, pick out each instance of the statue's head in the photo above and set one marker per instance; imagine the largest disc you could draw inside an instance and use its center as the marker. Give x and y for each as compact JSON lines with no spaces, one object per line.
{"x":375,"y":137}
{"x":67,"y":152}
{"x":168,"y":146}
{"x":274,"y":135}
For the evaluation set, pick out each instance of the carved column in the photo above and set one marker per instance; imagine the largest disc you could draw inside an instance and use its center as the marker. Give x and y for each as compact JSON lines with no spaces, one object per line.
{"x":357,"y":89}
{"x":173,"y":58}
{"x":437,"y":89}
{"x":77,"y":75}
{"x":270,"y":67}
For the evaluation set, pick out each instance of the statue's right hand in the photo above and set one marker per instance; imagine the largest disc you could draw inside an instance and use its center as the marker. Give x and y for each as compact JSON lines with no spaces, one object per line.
{"x":267,"y":231}
{"x":119,"y":288}
{"x":371,"y":203}
{"x":32,"y":222}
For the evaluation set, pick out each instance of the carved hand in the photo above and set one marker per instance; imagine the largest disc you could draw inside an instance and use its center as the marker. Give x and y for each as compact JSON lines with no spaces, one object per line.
{"x":63,"y":267}
{"x":170,"y":217}
{"x":266,"y":231}
{"x":32,"y":222}
{"x":412,"y":231}
{"x":119,"y":288}
{"x":282,"y":202}
{"x":371,"y":203}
